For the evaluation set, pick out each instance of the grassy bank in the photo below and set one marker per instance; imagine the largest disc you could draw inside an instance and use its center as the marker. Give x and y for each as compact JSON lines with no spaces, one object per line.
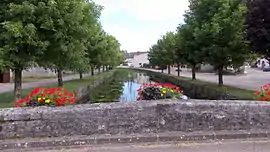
{"x":241,"y":94}
{"x":6,"y":99}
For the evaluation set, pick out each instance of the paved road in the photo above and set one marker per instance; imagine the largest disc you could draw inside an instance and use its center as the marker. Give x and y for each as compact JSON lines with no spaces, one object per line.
{"x":252,"y":80}
{"x":224,"y":146}
{"x":7,"y":87}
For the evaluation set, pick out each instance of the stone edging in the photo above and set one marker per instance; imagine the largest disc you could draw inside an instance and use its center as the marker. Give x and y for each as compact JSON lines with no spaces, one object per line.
{"x":128,"y":139}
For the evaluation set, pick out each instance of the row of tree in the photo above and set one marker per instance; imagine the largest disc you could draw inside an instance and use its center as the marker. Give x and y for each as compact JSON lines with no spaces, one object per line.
{"x":55,"y":34}
{"x":216,"y":32}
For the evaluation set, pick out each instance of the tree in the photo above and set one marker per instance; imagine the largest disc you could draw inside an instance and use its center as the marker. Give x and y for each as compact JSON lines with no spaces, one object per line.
{"x":112,"y":55}
{"x":189,"y":47}
{"x":258,"y":26}
{"x":169,"y":46}
{"x":92,"y":14}
{"x":219,"y":28}
{"x":66,"y":26}
{"x":51,"y":34}
{"x":162,"y":54}
{"x":95,"y":45}
{"x":20,"y":39}
{"x":155,"y":56}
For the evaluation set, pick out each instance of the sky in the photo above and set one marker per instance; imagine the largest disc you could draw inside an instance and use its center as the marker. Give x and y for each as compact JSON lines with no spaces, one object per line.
{"x":138,"y":24}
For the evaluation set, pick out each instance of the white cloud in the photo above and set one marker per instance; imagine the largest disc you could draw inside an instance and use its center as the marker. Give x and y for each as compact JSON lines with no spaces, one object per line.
{"x":151,"y":19}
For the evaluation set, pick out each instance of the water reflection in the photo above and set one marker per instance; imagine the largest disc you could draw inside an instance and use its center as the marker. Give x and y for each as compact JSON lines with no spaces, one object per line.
{"x":131,"y":86}
{"x":129,"y":91}
{"x":122,"y":88}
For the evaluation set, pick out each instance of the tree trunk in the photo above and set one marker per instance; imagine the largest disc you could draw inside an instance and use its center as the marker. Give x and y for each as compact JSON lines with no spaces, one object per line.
{"x":220,"y":75}
{"x":103,"y":68}
{"x":169,"y":69}
{"x":17,"y":84}
{"x":81,"y":75}
{"x":99,"y":70}
{"x":60,"y":78}
{"x":178,"y":69}
{"x":92,"y":71}
{"x":193,"y":72}
{"x":162,"y":71}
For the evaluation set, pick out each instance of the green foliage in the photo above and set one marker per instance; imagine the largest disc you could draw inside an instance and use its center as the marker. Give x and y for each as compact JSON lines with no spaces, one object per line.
{"x":213,"y":33}
{"x":56,"y":34}
{"x":226,"y":31}
{"x":189,"y":48}
{"x":103,"y":49}
{"x":258,"y":26}
{"x":21,"y":43}
{"x":65,"y":26}
{"x":163,"y":53}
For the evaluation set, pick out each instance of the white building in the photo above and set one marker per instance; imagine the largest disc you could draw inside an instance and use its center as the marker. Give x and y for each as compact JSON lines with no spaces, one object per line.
{"x":206,"y":68}
{"x":137,"y":59}
{"x":140,"y":60}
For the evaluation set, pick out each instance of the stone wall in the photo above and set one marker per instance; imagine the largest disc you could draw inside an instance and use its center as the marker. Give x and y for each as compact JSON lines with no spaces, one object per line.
{"x":135,"y":117}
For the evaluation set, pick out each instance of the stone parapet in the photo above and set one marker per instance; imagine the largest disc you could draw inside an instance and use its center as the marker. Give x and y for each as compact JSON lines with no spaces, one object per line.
{"x":143,"y":117}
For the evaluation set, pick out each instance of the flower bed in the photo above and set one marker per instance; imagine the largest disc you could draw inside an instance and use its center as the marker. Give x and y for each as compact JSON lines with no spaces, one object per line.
{"x":156,"y":91}
{"x":263,"y":94}
{"x":47,"y":97}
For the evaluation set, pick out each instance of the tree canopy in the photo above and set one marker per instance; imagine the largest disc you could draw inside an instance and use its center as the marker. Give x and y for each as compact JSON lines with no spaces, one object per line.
{"x":258,"y":26}
{"x":56,"y":34}
{"x":213,"y":33}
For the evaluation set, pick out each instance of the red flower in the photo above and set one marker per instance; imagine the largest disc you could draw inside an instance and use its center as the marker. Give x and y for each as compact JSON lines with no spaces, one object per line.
{"x":72,"y":100}
{"x":264,"y":93}
{"x":60,"y":101}
{"x":36,"y":91}
{"x":71,"y":95}
{"x":21,"y":101}
{"x":57,"y":96}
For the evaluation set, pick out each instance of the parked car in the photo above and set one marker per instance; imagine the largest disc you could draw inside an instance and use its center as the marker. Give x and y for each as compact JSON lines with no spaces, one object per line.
{"x":266,"y":69}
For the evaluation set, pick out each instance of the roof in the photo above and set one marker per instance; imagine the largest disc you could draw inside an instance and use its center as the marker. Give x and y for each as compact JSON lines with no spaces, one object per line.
{"x":132,"y":54}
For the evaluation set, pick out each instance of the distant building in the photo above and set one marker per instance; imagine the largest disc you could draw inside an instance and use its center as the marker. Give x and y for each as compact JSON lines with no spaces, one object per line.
{"x":206,"y":68}
{"x":136,"y":59}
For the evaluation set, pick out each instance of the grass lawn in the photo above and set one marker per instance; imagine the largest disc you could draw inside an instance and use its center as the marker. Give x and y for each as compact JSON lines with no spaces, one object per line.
{"x":6,"y":99}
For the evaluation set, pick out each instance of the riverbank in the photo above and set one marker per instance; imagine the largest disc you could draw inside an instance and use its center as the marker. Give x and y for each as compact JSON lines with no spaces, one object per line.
{"x":203,"y":89}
